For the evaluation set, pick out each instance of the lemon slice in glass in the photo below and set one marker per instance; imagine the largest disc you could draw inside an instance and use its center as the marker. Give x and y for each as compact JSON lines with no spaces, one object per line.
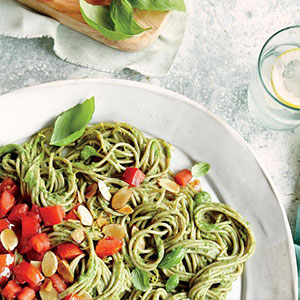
{"x":285,"y":77}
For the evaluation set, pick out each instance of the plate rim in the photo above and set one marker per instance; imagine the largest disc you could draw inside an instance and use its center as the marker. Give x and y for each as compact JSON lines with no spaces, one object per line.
{"x":172,"y":94}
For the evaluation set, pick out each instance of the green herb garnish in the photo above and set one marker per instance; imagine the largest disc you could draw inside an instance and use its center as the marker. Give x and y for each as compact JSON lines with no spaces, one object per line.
{"x":172,"y":283}
{"x":172,"y":258}
{"x":140,"y":280}
{"x":200,"y":169}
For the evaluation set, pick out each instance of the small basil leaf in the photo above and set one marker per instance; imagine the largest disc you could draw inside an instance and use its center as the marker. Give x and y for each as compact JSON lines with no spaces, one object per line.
{"x":172,"y":283}
{"x":178,"y":5}
{"x":99,"y":17}
{"x":200,"y":169}
{"x":172,"y":258}
{"x":121,"y":14}
{"x":202,"y":197}
{"x":140,"y":280}
{"x":70,"y":125}
{"x":87,"y":152}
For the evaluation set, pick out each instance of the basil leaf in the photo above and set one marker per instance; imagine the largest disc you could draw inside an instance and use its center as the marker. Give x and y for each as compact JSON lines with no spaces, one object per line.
{"x":172,"y":258}
{"x":98,"y":17}
{"x":200,"y":169}
{"x":172,"y":283}
{"x":87,"y":152}
{"x":178,"y":5}
{"x":121,"y":14}
{"x":202,"y":197}
{"x":140,"y":280}
{"x":70,"y":125}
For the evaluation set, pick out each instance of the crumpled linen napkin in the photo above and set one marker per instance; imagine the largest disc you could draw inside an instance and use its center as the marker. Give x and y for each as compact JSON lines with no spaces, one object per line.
{"x":18,"y":21}
{"x":297,"y":247}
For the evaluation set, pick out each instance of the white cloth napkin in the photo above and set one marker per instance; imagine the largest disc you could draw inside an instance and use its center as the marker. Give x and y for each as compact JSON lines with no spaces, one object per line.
{"x":18,"y":21}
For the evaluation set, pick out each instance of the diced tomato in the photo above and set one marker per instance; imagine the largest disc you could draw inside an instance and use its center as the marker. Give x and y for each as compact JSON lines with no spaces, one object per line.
{"x":72,"y":297}
{"x":108,"y":246}
{"x":26,"y":294}
{"x":33,"y":255}
{"x":36,"y":288}
{"x":18,"y":212}
{"x":40,"y":243}
{"x":183,"y":177}
{"x":7,"y":201}
{"x":99,"y":2}
{"x":30,"y":226}
{"x":24,"y":246}
{"x":71,"y":214}
{"x":9,"y":185}
{"x":28,"y":273}
{"x":58,"y":283}
{"x":11,"y":290}
{"x":52,"y":215}
{"x":133,"y":176}
{"x":35,"y":211}
{"x":6,"y":263}
{"x":68,"y":251}
{"x":4,"y":224}
{"x":91,"y":190}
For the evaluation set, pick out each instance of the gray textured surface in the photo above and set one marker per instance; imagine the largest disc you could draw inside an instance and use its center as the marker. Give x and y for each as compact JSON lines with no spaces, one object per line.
{"x":213,"y":67}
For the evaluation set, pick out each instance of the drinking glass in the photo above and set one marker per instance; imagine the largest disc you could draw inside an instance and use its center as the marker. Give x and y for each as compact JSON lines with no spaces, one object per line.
{"x":265,"y":107}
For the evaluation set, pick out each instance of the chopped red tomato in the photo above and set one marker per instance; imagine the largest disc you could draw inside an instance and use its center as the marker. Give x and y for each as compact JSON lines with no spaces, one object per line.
{"x":11,"y":290}
{"x":26,"y":294}
{"x":35,"y":211}
{"x":24,"y":246}
{"x":33,"y":255}
{"x":7,"y":201}
{"x":40,"y":243}
{"x":28,"y":273}
{"x":72,"y":213}
{"x":4,"y":224}
{"x":6,"y":263}
{"x":30,"y":226}
{"x":108,"y":246}
{"x":133,"y":176}
{"x":68,"y":251}
{"x":58,"y":283}
{"x":99,"y":2}
{"x":72,"y":297}
{"x":183,"y":177}
{"x":9,"y":185}
{"x":52,"y":215}
{"x":91,"y":191}
{"x":18,"y":212}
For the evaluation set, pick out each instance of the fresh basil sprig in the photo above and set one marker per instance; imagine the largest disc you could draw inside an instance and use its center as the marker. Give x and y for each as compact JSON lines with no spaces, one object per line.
{"x":70,"y":125}
{"x":159,"y":5}
{"x":200,"y":169}
{"x":140,"y":280}
{"x":172,"y":258}
{"x":172,"y":283}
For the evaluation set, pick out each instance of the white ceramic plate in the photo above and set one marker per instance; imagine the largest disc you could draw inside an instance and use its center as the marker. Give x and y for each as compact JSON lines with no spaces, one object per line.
{"x":235,"y":178}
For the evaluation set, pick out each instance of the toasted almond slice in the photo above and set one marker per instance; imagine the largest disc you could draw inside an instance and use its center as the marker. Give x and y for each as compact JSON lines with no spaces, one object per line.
{"x":78,"y":235}
{"x":169,"y":185}
{"x":85,"y":296}
{"x":47,"y":285}
{"x":114,"y":230}
{"x":49,"y":264}
{"x":9,"y":239}
{"x":121,"y":197}
{"x":37,"y":264}
{"x":134,"y":230}
{"x":65,"y":272}
{"x":101,"y":222}
{"x":126,"y":210}
{"x":48,"y":295}
{"x":85,"y":216}
{"x":104,"y":190}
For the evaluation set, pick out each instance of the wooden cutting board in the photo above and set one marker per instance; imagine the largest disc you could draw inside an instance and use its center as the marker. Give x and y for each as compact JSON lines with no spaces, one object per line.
{"x":67,"y":12}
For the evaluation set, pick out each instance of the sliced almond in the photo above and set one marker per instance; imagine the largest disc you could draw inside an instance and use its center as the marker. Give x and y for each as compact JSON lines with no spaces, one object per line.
{"x":121,"y":197}
{"x":47,"y":285}
{"x":48,"y":295}
{"x":85,"y":216}
{"x":169,"y":185}
{"x":65,"y":272}
{"x":78,"y":235}
{"x":9,"y":239}
{"x":37,"y":264}
{"x":114,"y":230}
{"x":126,"y":210}
{"x":85,"y":296}
{"x":101,"y":222}
{"x":104,"y":190}
{"x":134,"y":230}
{"x":49,"y":264}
